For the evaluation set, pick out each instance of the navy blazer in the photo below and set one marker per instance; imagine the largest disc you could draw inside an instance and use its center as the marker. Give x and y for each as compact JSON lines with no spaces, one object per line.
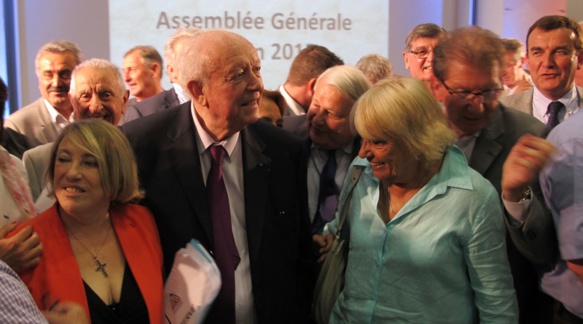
{"x":278,"y":236}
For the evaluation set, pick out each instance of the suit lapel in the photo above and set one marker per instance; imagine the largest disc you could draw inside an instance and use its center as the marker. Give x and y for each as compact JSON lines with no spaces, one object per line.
{"x":170,"y":99}
{"x":579,"y":96}
{"x":183,"y":151}
{"x":256,"y":167}
{"x":45,"y":123}
{"x":487,"y":146}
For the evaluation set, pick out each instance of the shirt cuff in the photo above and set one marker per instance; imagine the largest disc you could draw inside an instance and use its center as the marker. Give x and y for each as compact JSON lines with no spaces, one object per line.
{"x":518,"y":211}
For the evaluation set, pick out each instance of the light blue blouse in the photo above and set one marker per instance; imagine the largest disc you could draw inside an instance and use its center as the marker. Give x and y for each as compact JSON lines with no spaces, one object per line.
{"x":441,"y":259}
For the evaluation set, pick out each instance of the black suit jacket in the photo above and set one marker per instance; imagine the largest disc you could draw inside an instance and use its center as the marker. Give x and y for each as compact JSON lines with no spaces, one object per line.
{"x":278,"y":235}
{"x":297,"y":125}
{"x":490,"y":151}
{"x":146,"y":107}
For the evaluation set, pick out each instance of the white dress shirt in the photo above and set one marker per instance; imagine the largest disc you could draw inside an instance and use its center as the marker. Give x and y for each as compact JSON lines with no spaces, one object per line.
{"x":293,"y":106}
{"x":233,"y":176}
{"x":59,"y":121}
{"x":540,"y":105}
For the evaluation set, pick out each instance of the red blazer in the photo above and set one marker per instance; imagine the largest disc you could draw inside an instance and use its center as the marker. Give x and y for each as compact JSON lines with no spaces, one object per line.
{"x":57,"y":276}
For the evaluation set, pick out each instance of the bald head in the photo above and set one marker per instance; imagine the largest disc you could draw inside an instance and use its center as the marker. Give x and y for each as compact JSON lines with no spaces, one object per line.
{"x":221,"y":72}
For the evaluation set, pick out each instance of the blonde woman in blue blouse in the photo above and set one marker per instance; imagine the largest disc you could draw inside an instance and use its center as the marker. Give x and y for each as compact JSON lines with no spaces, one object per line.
{"x":427,"y":238}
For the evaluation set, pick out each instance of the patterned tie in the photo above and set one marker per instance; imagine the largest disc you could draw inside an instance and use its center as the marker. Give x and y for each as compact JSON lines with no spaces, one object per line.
{"x":328,"y":194}
{"x":225,"y":250}
{"x":553,"y":112}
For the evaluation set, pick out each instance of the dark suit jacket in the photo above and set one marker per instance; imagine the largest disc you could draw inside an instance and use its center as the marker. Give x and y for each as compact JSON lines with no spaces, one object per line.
{"x":158,"y":102}
{"x":277,"y":226}
{"x":490,"y":152}
{"x":296,"y":125}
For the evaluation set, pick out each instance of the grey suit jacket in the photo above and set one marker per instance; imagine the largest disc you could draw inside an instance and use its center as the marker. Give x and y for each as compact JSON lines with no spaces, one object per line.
{"x":158,"y":102}
{"x":490,"y":151}
{"x":523,"y":100}
{"x":29,"y":127}
{"x":37,"y":161}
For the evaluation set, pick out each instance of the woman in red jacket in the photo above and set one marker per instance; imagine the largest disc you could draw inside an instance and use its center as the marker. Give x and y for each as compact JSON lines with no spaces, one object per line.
{"x":98,"y":249}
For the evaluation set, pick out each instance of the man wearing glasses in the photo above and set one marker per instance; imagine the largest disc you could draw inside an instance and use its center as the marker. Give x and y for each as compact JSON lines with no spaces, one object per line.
{"x":468,"y":67}
{"x":418,"y":53}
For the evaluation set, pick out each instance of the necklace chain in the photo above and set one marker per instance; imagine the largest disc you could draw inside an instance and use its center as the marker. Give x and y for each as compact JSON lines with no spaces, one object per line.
{"x":100,"y":265}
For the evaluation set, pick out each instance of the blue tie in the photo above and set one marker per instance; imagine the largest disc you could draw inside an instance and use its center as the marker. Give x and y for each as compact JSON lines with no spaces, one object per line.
{"x":553,"y":112}
{"x":328,"y":194}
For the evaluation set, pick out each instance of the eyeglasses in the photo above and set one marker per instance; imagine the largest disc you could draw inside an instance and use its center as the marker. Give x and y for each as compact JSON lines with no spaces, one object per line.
{"x":487,"y":95}
{"x":422,"y":53}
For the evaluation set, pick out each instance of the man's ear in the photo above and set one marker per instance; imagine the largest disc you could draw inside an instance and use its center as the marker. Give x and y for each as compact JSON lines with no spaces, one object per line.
{"x":156,"y":69}
{"x":126,"y":97}
{"x":311,"y":85}
{"x":196,"y":90}
{"x":579,"y":59}
{"x":406,"y":59}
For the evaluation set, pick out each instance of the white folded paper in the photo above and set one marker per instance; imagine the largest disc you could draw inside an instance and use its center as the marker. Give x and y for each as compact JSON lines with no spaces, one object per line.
{"x":192,"y":286}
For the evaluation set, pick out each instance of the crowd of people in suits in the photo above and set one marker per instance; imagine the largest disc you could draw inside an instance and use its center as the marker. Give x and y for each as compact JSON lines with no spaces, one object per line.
{"x":467,"y":209}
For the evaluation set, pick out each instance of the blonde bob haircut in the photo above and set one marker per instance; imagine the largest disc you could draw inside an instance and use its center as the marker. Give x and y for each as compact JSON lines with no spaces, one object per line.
{"x":403,"y":111}
{"x":114,"y":155}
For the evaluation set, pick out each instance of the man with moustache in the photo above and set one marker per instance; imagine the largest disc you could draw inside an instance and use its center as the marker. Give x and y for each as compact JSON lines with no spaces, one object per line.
{"x":97,"y":91}
{"x":41,"y":121}
{"x":213,"y":172}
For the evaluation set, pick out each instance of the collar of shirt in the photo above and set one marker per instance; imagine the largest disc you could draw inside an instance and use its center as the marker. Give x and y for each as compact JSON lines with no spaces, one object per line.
{"x":291,"y":103}
{"x":540,"y":104}
{"x":467,"y":144}
{"x":206,"y":139}
{"x":346,"y":149}
{"x":180,"y":93}
{"x":58,"y":120}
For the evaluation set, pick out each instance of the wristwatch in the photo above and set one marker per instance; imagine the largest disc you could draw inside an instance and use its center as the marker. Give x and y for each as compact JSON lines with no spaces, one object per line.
{"x":525,"y":195}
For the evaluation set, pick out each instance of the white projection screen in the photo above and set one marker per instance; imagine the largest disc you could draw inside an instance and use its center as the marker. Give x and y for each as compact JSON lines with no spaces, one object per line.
{"x":279,"y":30}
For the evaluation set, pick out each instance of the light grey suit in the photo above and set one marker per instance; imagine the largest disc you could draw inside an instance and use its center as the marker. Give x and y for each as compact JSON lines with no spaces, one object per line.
{"x":37,"y":161}
{"x":29,"y":127}
{"x":523,"y":100}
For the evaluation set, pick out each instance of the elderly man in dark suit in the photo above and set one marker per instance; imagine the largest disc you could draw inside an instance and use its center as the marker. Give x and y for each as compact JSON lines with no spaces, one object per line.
{"x":468,"y":66}
{"x":554,"y":54}
{"x":211,"y":171}
{"x":331,"y":143}
{"x":168,"y":98}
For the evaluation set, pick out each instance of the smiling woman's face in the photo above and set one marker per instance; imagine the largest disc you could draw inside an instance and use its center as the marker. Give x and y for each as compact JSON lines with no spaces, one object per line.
{"x":77,"y":181}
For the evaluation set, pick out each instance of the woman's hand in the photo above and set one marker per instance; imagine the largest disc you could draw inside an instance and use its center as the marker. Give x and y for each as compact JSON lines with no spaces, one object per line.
{"x":21,"y":251}
{"x":325,"y":243}
{"x":66,"y":312}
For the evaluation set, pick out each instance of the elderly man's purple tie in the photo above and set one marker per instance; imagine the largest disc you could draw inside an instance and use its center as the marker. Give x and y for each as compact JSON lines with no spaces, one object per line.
{"x":225,"y":251}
